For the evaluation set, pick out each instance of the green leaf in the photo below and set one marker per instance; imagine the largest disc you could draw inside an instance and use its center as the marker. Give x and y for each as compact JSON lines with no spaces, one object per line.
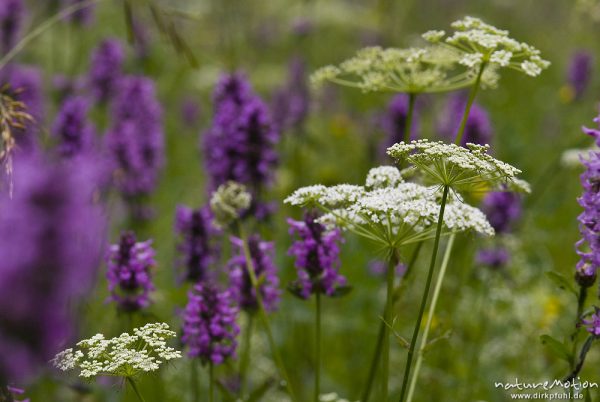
{"x":562,"y":282}
{"x":557,"y":348}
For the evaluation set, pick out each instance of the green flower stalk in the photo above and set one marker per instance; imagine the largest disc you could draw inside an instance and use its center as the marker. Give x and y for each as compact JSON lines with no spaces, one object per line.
{"x":126,"y":356}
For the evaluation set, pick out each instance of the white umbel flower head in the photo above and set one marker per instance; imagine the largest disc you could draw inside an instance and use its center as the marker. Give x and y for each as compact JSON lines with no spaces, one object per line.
{"x":388,"y":210}
{"x":411,"y":70}
{"x":484,"y":44}
{"x":455,"y":166}
{"x":125,"y":355}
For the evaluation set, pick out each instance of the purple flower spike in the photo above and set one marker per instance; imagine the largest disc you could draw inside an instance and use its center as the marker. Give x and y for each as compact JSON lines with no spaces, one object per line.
{"x":72,"y":128}
{"x":502,"y":209}
{"x":51,"y":240}
{"x":291,"y":103}
{"x":588,"y":247}
{"x":12,"y":15}
{"x":478,"y":129}
{"x":493,"y":257}
{"x":394,"y":121}
{"x":83,"y":16}
{"x":136,"y":140}
{"x":240,"y":144}
{"x":129,"y":272}
{"x":264,"y":268}
{"x":106,"y":69}
{"x":580,"y":71}
{"x":209,"y":324}
{"x":593,"y":323}
{"x":317,"y":257}
{"x":195,"y":229}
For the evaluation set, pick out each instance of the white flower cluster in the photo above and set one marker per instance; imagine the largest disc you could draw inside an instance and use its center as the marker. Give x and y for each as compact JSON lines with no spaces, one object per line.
{"x":126,"y":355}
{"x":456,"y":166}
{"x":480,"y":43}
{"x":228,"y":202}
{"x":411,"y":70}
{"x":390,"y":210}
{"x":331,"y":397}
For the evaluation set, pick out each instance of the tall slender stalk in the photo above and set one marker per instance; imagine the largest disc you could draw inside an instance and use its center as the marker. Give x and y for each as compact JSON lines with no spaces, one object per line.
{"x":409,"y":116}
{"x":318,"y":346}
{"x":135,"y":389}
{"x":263,"y":315}
{"x":430,"y":314}
{"x":379,"y":344}
{"x":387,"y":318}
{"x":246,"y":349}
{"x":413,"y":341}
{"x":211,"y":382}
{"x":472,"y":94}
{"x":194,"y":380}
{"x":580,"y":304}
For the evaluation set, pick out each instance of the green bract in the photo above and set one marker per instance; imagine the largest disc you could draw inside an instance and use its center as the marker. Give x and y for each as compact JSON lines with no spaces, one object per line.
{"x":480,"y":43}
{"x":458,"y":167}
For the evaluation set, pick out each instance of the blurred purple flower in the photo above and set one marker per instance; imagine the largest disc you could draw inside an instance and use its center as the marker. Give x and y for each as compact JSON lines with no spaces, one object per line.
{"x":72,"y":128}
{"x":262,"y":254}
{"x":290,"y":104}
{"x":66,"y":86}
{"x":136,"y":138}
{"x":317,"y":254}
{"x":25,"y":85}
{"x":496,"y":257}
{"x":129,"y":272}
{"x":580,"y":71}
{"x":51,"y":240}
{"x":478,"y":129}
{"x":379,"y":268}
{"x":190,"y":112}
{"x":12,"y":16}
{"x":589,"y":222}
{"x":83,"y":16}
{"x":593,"y":324}
{"x":106,"y":69}
{"x":502,"y":209}
{"x":302,"y":27}
{"x":195,"y":229}
{"x":209,"y":324}
{"x":393,"y":121}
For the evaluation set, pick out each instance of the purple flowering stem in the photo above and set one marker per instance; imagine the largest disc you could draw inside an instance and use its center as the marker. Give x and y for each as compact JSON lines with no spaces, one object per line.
{"x":135,"y":389}
{"x":430,"y":314}
{"x":211,"y":380}
{"x":318,"y":346}
{"x":43,"y":27}
{"x":379,"y":344}
{"x":409,"y":116}
{"x":413,"y":341}
{"x":472,"y":94}
{"x":580,"y":305}
{"x":194,"y":378}
{"x":263,"y":314}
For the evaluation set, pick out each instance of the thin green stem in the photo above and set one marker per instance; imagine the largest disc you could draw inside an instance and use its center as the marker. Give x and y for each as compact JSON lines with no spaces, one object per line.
{"x":379,"y":344}
{"x":43,"y":27}
{"x":318,"y":347}
{"x":194,"y":380}
{"x":263,"y":315}
{"x":135,"y":389}
{"x":387,"y":320}
{"x":417,"y":328}
{"x":580,"y":304}
{"x":472,"y":94}
{"x":430,"y":314}
{"x":211,"y":382}
{"x":409,"y":116}
{"x":246,"y":350}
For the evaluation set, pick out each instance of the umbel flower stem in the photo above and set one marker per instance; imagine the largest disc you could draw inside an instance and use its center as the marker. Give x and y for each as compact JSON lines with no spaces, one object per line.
{"x":247,"y":348}
{"x":135,"y":389}
{"x":317,"y":346}
{"x":378,"y":345}
{"x":263,"y":314}
{"x":409,"y":116}
{"x":387,"y":318}
{"x":470,"y":101}
{"x":430,"y":315}
{"x":413,"y":341}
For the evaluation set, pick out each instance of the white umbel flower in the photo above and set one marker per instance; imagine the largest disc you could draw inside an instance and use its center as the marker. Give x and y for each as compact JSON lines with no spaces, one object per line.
{"x":125,"y":355}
